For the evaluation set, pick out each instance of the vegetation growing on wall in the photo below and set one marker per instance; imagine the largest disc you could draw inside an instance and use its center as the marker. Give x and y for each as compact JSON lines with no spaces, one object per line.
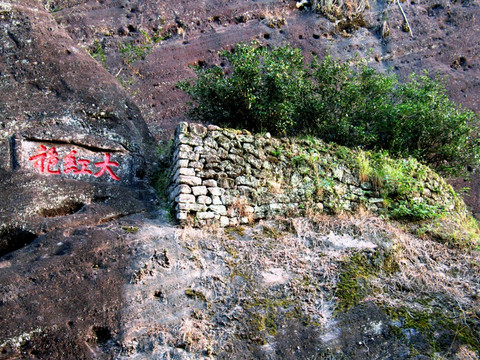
{"x":346,"y":102}
{"x":260,"y":177}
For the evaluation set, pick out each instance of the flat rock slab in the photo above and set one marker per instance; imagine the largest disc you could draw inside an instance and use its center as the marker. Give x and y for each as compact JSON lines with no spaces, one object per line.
{"x":76,"y":162}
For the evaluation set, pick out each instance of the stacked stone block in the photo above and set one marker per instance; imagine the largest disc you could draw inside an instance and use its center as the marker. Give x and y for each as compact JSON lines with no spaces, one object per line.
{"x":232,"y":177}
{"x":211,"y":173}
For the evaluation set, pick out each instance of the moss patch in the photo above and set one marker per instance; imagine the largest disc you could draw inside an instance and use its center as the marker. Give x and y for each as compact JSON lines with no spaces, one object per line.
{"x":444,"y":330}
{"x":195,"y":294}
{"x":130,"y":229}
{"x":353,"y":283}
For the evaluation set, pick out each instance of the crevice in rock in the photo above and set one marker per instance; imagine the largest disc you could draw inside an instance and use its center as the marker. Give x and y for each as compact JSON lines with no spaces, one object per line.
{"x":13,"y":238}
{"x":68,"y":208}
{"x":101,"y":334}
{"x":159,"y":295}
{"x":12,"y":145}
{"x":67,"y":142}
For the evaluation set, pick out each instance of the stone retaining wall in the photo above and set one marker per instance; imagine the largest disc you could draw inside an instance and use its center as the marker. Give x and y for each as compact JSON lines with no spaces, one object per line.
{"x":231,"y":177}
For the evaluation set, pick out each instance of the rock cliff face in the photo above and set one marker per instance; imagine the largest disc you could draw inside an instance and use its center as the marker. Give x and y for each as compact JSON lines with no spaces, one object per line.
{"x":69,"y":135}
{"x":149,"y":46}
{"x":60,"y":114}
{"x":193,"y":32}
{"x":89,"y":268}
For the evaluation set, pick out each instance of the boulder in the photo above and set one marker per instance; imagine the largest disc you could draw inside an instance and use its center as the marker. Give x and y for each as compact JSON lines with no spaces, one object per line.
{"x":75,"y":154}
{"x":70,"y":136}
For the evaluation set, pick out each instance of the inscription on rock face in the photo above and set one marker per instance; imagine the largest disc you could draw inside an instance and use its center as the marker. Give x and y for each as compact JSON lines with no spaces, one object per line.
{"x":76,"y":162}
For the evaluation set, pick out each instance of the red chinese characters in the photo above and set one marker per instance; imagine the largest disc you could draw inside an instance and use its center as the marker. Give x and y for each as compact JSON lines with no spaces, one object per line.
{"x":70,"y":164}
{"x":105,"y":166}
{"x":39,"y":160}
{"x":45,"y":161}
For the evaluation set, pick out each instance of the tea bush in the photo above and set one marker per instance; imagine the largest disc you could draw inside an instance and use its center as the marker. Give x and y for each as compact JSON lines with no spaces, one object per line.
{"x":265,"y":91}
{"x":346,"y":102}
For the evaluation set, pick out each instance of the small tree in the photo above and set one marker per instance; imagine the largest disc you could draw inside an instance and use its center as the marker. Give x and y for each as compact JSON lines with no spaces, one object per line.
{"x":428,"y":126}
{"x":345,"y":102}
{"x":263,"y":93}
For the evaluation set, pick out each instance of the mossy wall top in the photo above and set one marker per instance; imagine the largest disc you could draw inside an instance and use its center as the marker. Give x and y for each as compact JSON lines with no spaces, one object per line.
{"x":230,"y":176}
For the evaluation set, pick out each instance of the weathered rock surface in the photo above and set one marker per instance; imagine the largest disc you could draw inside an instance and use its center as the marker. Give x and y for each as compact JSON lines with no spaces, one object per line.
{"x":54,"y":91}
{"x":75,"y":154}
{"x":349,"y":288}
{"x":61,"y":295}
{"x":82,"y":280}
{"x":137,"y":288}
{"x":70,"y":137}
{"x":445,"y":41}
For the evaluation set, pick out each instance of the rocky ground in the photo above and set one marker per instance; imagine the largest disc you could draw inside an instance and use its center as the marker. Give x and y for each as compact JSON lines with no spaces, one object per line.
{"x":327,"y":288}
{"x":287,"y":289}
{"x":90,"y":268}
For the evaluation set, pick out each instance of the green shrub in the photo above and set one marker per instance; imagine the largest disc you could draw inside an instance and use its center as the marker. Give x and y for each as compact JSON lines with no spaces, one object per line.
{"x":347,"y":102}
{"x":263,"y":93}
{"x":417,"y":210}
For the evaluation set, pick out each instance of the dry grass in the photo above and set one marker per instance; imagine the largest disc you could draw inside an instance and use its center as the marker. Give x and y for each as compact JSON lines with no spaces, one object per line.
{"x":428,"y":267}
{"x":242,"y":208}
{"x":340,"y":9}
{"x":306,"y":258}
{"x":275,"y":18}
{"x":195,"y":334}
{"x":275,"y":187}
